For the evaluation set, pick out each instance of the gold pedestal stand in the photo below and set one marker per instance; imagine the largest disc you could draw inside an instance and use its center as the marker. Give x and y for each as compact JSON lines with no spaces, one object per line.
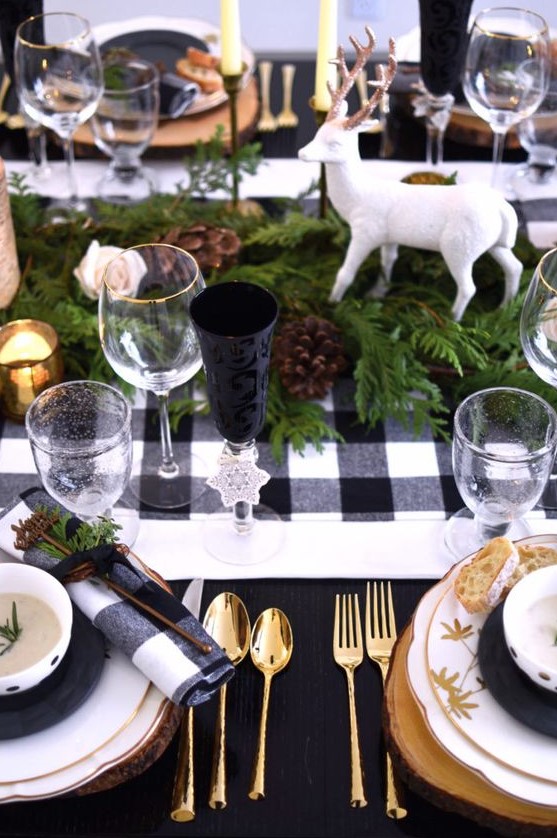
{"x":320,"y":117}
{"x":233,"y":84}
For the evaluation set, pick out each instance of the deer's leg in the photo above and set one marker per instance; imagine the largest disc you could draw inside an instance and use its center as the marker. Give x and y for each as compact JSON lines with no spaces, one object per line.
{"x":389,"y":254}
{"x":460,"y":265}
{"x":512,"y":268}
{"x":356,"y":252}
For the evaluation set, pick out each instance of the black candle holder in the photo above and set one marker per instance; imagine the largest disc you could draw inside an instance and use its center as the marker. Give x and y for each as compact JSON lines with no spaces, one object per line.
{"x":233,"y":83}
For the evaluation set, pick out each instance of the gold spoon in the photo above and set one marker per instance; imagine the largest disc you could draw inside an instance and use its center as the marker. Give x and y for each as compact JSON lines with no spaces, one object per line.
{"x":271,"y":649}
{"x":227,"y":621}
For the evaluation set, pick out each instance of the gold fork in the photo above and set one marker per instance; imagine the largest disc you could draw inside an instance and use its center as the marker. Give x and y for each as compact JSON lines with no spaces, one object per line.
{"x":287,"y":118}
{"x":380,"y":639}
{"x":267,"y":121}
{"x":348,"y":652}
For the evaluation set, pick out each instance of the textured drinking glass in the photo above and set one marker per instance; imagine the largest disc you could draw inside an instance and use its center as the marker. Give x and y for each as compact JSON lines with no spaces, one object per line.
{"x":80,"y":436}
{"x":123,"y":126}
{"x":149,"y":340}
{"x":504,"y":442}
{"x":235,"y":322}
{"x":58,"y":76}
{"x":538,"y":136}
{"x":506,"y":70}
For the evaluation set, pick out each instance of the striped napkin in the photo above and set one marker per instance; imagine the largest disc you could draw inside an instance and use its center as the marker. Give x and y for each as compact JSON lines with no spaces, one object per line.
{"x":180,"y":670}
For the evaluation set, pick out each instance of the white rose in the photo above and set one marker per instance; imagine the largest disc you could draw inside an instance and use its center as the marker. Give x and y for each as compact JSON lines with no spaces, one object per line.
{"x":90,"y":270}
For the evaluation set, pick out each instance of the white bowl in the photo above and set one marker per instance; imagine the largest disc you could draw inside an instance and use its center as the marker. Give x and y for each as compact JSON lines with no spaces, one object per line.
{"x":530,"y":626}
{"x":21,"y":580}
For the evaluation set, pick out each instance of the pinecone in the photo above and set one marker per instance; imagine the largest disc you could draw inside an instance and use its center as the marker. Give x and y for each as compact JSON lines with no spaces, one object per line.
{"x":309,"y":356}
{"x":212,"y":247}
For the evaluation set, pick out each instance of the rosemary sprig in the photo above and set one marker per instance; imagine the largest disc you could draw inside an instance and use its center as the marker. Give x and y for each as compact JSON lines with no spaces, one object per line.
{"x":12,"y":632}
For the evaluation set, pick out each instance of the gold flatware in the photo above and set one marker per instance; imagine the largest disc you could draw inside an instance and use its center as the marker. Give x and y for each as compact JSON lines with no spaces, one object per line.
{"x":267,"y":121}
{"x":348,"y":652}
{"x":380,"y":639}
{"x":227,"y":621}
{"x":287,"y":118}
{"x":271,"y":649}
{"x":183,"y":792}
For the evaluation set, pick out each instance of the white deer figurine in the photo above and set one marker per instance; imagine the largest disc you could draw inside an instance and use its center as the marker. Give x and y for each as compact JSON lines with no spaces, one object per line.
{"x":459,"y":221}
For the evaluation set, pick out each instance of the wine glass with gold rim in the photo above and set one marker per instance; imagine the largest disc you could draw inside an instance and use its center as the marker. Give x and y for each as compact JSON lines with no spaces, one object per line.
{"x":149,"y":340}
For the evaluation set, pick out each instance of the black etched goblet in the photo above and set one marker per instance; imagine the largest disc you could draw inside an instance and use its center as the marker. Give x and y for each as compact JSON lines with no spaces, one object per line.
{"x":234,"y":323}
{"x":443,"y":38}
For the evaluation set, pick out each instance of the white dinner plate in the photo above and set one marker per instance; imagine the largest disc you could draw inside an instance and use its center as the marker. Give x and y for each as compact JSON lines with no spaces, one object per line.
{"x":109,"y":727}
{"x":200,"y":29}
{"x":460,"y":712}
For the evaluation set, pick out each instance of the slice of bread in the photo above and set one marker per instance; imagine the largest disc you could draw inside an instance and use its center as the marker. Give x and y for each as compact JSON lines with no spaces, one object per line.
{"x":200,"y":67}
{"x":531,"y":557}
{"x":480,"y":584}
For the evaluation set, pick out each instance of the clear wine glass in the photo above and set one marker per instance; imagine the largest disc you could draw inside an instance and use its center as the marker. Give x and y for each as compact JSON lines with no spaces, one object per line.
{"x":149,"y":340}
{"x":235,"y":322}
{"x":538,"y":335}
{"x":59,"y":80}
{"x":123,"y":126}
{"x":506,"y":70}
{"x":81,"y":440}
{"x":504,"y":444}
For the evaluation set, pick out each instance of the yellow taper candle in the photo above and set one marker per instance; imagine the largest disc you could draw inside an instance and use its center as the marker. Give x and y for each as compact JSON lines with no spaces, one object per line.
{"x":231,"y":42}
{"x":326,"y":51}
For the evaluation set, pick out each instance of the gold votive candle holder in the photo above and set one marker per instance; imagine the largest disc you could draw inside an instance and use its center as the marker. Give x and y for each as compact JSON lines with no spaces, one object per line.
{"x":30,"y":361}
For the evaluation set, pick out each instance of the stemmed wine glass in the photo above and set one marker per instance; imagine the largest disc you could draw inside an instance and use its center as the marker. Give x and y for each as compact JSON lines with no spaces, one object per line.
{"x":149,"y":340}
{"x":538,"y":334}
{"x":506,"y":70}
{"x":235,"y":322}
{"x":59,"y":78}
{"x":504,"y":444}
{"x":123,"y":126}
{"x":81,"y":440}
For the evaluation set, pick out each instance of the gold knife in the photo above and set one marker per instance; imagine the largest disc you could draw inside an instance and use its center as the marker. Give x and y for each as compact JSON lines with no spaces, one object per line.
{"x":183,"y":794}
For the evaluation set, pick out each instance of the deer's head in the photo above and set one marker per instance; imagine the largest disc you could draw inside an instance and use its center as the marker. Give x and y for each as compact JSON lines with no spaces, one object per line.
{"x":336,"y":139}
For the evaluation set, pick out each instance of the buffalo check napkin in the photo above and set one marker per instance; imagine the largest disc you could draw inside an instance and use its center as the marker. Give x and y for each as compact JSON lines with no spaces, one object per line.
{"x":180,"y":670}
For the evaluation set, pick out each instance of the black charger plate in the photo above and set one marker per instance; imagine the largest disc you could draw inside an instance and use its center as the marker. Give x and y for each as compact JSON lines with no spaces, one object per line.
{"x":509,"y":686}
{"x":62,"y":692}
{"x":161,"y":47}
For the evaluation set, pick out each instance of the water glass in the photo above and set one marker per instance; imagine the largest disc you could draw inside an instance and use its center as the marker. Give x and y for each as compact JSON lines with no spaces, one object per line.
{"x":80,"y":436}
{"x":504,"y":445}
{"x":123,"y":126}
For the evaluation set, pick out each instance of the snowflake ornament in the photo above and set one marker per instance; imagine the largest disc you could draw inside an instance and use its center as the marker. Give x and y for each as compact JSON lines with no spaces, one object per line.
{"x":238,"y":479}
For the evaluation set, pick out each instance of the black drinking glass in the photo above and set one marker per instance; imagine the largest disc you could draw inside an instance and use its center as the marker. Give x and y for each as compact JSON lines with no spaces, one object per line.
{"x":234,"y":323}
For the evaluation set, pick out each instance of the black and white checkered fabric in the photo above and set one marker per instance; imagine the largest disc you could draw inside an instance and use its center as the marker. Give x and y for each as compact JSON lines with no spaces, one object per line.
{"x":379,"y":475}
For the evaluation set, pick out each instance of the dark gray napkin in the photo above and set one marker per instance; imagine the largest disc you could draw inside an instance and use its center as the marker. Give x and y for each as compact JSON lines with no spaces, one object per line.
{"x":177,"y":667}
{"x":177,"y":95}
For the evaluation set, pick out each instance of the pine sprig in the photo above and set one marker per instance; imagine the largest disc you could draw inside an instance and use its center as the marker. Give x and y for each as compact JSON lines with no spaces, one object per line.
{"x":88,"y":534}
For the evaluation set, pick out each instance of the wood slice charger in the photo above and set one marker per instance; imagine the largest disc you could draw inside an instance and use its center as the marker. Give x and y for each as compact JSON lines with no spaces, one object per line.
{"x":434,"y":774}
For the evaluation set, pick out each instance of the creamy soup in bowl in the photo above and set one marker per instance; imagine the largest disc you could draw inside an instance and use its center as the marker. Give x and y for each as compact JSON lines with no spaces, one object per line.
{"x":35,"y":626}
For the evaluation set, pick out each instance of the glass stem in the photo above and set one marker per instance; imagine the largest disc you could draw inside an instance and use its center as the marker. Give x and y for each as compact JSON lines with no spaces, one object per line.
{"x":242,"y":511}
{"x":499,"y":138}
{"x":434,"y":145}
{"x":168,"y":467}
{"x":68,"y":146}
{"x":486,"y":531}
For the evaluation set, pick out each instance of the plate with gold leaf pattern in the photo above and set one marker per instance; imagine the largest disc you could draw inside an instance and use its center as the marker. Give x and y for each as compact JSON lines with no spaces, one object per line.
{"x":444,"y":675}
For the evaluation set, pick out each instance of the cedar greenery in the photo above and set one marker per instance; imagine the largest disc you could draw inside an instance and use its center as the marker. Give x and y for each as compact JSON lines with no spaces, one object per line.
{"x":405,"y":350}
